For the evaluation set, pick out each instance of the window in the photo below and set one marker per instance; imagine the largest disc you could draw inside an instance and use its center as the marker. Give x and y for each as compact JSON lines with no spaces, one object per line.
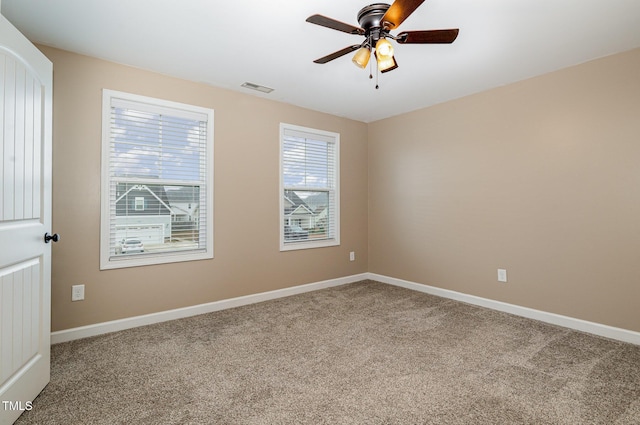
{"x":139,"y":203}
{"x":157,"y":181}
{"x":309,"y":188}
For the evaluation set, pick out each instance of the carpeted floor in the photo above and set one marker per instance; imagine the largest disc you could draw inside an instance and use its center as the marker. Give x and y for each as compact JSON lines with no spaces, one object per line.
{"x":364,"y":353}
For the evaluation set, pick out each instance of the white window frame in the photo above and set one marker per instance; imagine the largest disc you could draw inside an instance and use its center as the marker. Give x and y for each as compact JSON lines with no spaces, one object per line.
{"x":107,"y":261}
{"x":330,"y":137}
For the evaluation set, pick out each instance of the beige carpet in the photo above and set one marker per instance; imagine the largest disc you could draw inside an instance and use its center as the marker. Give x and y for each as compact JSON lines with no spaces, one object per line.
{"x":365,"y":353}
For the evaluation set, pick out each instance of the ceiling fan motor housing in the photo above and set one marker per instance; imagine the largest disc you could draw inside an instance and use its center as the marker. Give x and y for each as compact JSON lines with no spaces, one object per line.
{"x":370,"y":19}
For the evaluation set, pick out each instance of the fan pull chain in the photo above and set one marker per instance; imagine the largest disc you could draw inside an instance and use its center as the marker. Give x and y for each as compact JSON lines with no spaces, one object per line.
{"x":369,"y":44}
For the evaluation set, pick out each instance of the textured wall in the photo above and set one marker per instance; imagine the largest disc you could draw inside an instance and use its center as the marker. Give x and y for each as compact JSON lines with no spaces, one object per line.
{"x":540,"y":177}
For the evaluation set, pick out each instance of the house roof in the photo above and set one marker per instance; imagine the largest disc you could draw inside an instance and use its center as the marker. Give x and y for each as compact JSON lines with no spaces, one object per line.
{"x":183,"y":195}
{"x":311,"y":204}
{"x":317,"y":202}
{"x":296,"y":203}
{"x":155,"y":199}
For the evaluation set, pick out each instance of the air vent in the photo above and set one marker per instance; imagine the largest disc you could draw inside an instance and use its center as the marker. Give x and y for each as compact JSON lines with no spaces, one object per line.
{"x":252,"y":86}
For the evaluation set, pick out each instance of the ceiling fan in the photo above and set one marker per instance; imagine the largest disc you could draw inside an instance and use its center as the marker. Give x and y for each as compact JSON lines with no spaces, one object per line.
{"x":376,"y":23}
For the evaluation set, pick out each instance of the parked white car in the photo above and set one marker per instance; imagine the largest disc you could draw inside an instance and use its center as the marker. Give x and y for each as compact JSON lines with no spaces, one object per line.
{"x":128,"y":246}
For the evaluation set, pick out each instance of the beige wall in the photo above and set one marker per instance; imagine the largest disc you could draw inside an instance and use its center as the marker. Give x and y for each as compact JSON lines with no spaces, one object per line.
{"x":541,"y":177}
{"x":247,"y":258}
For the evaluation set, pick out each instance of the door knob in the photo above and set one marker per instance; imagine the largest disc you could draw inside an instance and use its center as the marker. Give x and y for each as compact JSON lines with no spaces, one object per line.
{"x":47,"y":237}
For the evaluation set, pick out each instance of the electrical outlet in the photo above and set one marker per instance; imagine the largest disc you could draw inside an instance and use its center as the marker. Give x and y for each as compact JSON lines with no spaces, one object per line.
{"x":77,"y":292}
{"x":502,"y":275}
{"x":352,"y":256}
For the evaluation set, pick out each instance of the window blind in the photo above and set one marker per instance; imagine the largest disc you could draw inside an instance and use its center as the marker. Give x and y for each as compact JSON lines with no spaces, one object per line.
{"x":310,"y":187}
{"x":157,"y":172}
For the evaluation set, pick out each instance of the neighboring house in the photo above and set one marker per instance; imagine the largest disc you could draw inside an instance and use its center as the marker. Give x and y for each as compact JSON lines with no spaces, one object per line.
{"x":308,"y":213}
{"x":142,"y":212}
{"x":184,"y":202}
{"x":318,"y":204}
{"x":321,"y":218}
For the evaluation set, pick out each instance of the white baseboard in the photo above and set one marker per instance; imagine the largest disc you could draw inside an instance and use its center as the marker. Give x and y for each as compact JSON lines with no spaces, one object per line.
{"x":163,"y":316}
{"x":552,"y":318}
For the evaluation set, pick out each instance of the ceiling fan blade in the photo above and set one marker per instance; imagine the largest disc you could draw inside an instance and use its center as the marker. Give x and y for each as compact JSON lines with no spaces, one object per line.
{"x":399,"y":11}
{"x":428,"y":37}
{"x":333,"y":24}
{"x":336,"y":55}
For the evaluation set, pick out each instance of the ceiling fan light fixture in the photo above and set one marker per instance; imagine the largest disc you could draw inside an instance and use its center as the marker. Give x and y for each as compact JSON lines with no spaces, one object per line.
{"x":361,"y":58}
{"x":384,"y":49}
{"x":376,"y":21}
{"x":386,"y":64}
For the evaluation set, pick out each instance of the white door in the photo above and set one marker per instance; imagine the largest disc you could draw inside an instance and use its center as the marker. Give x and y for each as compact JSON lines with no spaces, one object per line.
{"x":25,"y":216}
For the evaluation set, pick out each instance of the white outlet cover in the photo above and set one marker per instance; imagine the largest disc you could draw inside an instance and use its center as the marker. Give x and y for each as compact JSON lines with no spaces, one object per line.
{"x":77,"y":292}
{"x":502,"y":275}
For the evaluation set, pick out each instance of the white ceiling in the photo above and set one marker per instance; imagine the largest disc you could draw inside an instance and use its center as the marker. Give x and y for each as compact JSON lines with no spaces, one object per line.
{"x":227,"y":43}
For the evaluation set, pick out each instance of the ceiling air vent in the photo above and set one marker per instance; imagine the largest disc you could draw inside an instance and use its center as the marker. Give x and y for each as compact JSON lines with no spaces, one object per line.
{"x":252,"y":86}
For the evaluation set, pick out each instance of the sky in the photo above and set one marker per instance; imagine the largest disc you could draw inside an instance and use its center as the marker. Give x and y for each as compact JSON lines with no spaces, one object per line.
{"x":149,"y":145}
{"x":306,"y":163}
